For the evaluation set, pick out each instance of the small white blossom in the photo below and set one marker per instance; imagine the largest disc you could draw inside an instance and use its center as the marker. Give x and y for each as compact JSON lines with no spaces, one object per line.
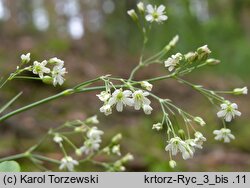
{"x":104,"y":96}
{"x":127,"y":157}
{"x":140,"y":7}
{"x":173,"y":61}
{"x":58,"y":73}
{"x":240,"y":91}
{"x":147,"y":109}
{"x":116,"y":150}
{"x":146,"y":85}
{"x":192,"y":144}
{"x":157,"y":126}
{"x":203,"y":52}
{"x":200,"y":121}
{"x":156,"y":13}
{"x":120,"y":98}
{"x":25,"y":58}
{"x":132,"y":14}
{"x":90,"y":146}
{"x":69,"y":163}
{"x":40,"y":69}
{"x":94,"y":134}
{"x":56,"y":61}
{"x":140,"y":99}
{"x":106,"y":109}
{"x":223,"y":134}
{"x":92,"y":120}
{"x":176,"y":145}
{"x":57,"y":139}
{"x":228,"y":111}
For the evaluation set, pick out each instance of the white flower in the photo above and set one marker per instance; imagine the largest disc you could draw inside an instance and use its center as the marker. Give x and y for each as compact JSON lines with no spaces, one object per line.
{"x":57,"y":139}
{"x":156,"y":14}
{"x":106,"y":109}
{"x":199,"y":139}
{"x":140,"y":99}
{"x":120,"y":98}
{"x":173,"y":61}
{"x":94,"y":134}
{"x":223,"y":134}
{"x":69,"y":163}
{"x":176,"y":145}
{"x":92,"y":120}
{"x":90,"y":146}
{"x":146,"y":85}
{"x":56,"y":61}
{"x":25,"y":58}
{"x":116,"y":150}
{"x":204,"y":49}
{"x":127,"y":157}
{"x":240,"y":91}
{"x":228,"y":111}
{"x":132,"y":14}
{"x":157,"y":126}
{"x":58,"y":75}
{"x":104,"y":96}
{"x":192,"y":144}
{"x":147,"y":109}
{"x":172,"y":163}
{"x":40,"y":69}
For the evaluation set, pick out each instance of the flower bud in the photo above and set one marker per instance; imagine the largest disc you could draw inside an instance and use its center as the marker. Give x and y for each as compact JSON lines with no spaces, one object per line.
{"x":146,"y":85}
{"x":172,"y":163}
{"x":200,"y":121}
{"x":140,"y":7}
{"x":78,"y":152}
{"x":127,"y":157}
{"x":133,"y":14}
{"x":157,"y":126}
{"x":181,"y":134}
{"x":47,"y":80}
{"x":191,"y":56}
{"x":212,"y":61}
{"x":203,"y":52}
{"x":240,"y":91}
{"x":92,"y":120}
{"x":116,"y":138}
{"x":25,"y":58}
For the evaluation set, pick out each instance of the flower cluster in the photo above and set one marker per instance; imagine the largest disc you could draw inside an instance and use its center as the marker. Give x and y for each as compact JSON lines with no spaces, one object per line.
{"x":54,"y":75}
{"x":185,"y":147}
{"x":119,"y":98}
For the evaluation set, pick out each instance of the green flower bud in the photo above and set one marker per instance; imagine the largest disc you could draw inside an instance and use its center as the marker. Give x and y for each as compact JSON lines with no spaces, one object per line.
{"x":116,"y":138}
{"x":203,"y":52}
{"x":172,"y":163}
{"x":191,"y":56}
{"x":133,"y":15}
{"x":181,"y":134}
{"x":240,"y":91}
{"x":47,"y":80}
{"x":212,"y":61}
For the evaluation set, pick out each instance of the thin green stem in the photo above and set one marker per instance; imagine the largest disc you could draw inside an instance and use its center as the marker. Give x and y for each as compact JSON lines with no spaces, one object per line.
{"x":43,"y":158}
{"x":13,"y":157}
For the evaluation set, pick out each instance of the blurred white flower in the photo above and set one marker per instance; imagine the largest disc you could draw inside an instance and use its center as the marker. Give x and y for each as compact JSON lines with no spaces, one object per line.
{"x":146,"y":85}
{"x":58,"y":73}
{"x":140,"y":99}
{"x":176,"y":145}
{"x":92,"y":120}
{"x":116,"y":150}
{"x":133,"y":14}
{"x":40,"y":69}
{"x":25,"y":58}
{"x":90,"y":146}
{"x":200,"y":121}
{"x":57,"y":139}
{"x":240,"y":91}
{"x":68,"y":162}
{"x":104,"y":96}
{"x":228,"y":111}
{"x":147,"y":109}
{"x":173,"y":61}
{"x":172,"y":163}
{"x":94,"y":134}
{"x":106,"y":109}
{"x":120,"y":98}
{"x":156,"y":13}
{"x":199,"y":139}
{"x":157,"y":126}
{"x":223,"y":134}
{"x":56,"y":61}
{"x":140,"y":7}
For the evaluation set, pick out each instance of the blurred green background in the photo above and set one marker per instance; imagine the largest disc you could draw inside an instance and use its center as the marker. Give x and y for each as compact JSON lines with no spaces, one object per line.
{"x":96,"y":37}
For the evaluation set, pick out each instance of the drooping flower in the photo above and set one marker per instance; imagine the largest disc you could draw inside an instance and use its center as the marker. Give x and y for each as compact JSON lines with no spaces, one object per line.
{"x":176,"y":145}
{"x":69,"y":163}
{"x":200,"y":121}
{"x":140,"y":99}
{"x":228,"y":111}
{"x":120,"y":98}
{"x":156,"y":14}
{"x":106,"y":109}
{"x":147,"y":109}
{"x":199,"y":139}
{"x":173,"y":61}
{"x":146,"y":85}
{"x":25,"y":58}
{"x":58,"y":73}
{"x":40,"y":69}
{"x":157,"y":126}
{"x":223,"y":134}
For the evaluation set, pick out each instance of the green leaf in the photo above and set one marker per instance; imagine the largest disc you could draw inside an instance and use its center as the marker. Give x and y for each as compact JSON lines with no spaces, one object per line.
{"x":10,"y":102}
{"x":9,"y":166}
